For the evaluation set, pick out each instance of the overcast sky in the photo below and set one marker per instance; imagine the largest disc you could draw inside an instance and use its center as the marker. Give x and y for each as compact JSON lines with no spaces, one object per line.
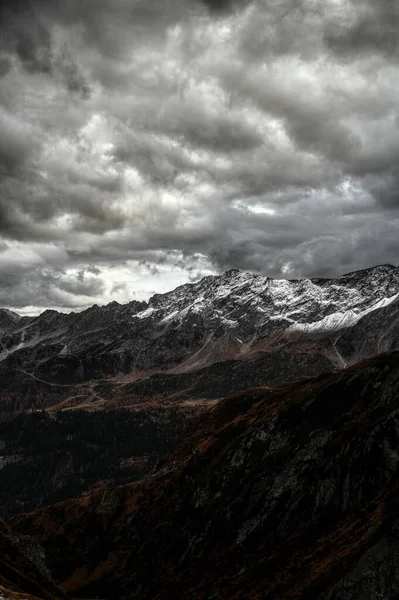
{"x":145,"y":143}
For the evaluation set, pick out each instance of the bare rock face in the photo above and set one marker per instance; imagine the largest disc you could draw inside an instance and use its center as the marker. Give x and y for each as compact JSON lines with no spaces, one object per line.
{"x":287,"y":492}
{"x":23,"y":572}
{"x":233,"y":327}
{"x":376,"y":574}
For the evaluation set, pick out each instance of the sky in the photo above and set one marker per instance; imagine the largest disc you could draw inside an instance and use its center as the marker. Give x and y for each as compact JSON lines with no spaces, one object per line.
{"x":144,"y":144}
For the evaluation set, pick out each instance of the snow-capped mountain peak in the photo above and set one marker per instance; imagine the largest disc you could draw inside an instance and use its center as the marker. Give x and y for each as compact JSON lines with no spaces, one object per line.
{"x":235,"y":315}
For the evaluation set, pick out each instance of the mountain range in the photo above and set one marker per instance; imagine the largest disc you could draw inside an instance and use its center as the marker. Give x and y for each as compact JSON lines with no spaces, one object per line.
{"x":236,"y":438}
{"x":235,"y":330}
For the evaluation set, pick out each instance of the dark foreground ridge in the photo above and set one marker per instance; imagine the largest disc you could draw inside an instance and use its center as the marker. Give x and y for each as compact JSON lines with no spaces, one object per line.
{"x":287,"y":492}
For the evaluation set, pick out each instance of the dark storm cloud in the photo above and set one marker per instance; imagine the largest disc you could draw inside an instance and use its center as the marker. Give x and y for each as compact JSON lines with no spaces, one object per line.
{"x":221,"y":7}
{"x":15,"y":145}
{"x":33,"y":47}
{"x":5,"y":65}
{"x":374,"y":28}
{"x":32,"y":284}
{"x":143,"y":139}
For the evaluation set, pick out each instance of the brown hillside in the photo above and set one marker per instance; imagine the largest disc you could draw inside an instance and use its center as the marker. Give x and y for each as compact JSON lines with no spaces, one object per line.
{"x":287,"y":492}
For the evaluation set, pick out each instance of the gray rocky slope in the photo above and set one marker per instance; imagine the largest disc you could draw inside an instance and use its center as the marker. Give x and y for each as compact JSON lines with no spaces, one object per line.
{"x":236,"y":329}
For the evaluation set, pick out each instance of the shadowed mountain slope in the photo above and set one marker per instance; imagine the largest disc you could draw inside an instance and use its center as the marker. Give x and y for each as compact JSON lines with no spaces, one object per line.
{"x":46,"y":458}
{"x":287,"y":492}
{"x":23,"y":572}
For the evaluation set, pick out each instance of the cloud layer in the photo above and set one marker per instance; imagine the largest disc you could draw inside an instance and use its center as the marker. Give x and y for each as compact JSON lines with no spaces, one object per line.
{"x":143,"y":144}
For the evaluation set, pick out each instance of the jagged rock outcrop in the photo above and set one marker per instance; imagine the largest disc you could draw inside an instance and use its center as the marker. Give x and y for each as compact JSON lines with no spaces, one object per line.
{"x":287,"y":492}
{"x":233,"y":326}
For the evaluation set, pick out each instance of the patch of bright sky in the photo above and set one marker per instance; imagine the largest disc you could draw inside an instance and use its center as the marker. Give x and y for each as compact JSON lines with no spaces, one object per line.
{"x":131,"y":281}
{"x":257,"y":208}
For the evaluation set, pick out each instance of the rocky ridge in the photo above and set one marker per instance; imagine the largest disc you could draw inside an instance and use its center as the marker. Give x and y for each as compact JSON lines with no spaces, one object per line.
{"x":234,"y":326}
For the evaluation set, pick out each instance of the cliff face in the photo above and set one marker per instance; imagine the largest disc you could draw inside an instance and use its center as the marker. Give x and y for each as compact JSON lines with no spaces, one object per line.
{"x":282,"y":492}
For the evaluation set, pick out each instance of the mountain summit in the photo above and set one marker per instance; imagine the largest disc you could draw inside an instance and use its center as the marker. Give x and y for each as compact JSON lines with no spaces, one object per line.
{"x":239,"y":326}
